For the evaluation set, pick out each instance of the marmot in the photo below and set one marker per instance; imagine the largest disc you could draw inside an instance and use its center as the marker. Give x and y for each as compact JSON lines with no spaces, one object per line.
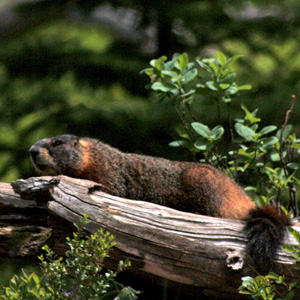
{"x":186,"y":186}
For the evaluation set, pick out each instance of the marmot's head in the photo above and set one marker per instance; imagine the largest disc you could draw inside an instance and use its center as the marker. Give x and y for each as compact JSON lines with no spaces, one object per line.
{"x":62,"y":154}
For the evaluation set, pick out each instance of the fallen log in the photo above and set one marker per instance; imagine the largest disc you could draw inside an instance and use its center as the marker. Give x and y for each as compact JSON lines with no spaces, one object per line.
{"x":204,"y":253}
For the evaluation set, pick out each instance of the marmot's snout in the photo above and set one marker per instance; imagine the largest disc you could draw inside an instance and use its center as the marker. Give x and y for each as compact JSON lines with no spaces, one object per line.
{"x":41,"y":159}
{"x":34,"y":152}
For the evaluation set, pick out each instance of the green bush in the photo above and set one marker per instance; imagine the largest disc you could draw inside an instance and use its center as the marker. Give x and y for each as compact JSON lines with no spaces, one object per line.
{"x":264,"y":157}
{"x":265,"y":287}
{"x":79,"y":275}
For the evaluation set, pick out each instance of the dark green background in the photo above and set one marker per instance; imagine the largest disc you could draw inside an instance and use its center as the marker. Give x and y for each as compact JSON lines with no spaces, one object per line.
{"x":64,"y":70}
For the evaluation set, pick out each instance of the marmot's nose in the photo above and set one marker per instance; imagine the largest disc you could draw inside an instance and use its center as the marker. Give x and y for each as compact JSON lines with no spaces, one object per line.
{"x":34,"y":151}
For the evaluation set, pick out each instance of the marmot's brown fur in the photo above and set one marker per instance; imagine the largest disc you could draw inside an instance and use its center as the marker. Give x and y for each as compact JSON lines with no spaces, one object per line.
{"x":186,"y":186}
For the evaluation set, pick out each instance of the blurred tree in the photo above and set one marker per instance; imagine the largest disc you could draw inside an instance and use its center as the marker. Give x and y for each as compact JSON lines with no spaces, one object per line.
{"x":73,"y":66}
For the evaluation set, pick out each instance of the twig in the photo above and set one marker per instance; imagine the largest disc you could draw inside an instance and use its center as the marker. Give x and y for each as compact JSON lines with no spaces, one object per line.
{"x":190,"y":112}
{"x":292,"y":188}
{"x":236,"y":174}
{"x":184,"y":122}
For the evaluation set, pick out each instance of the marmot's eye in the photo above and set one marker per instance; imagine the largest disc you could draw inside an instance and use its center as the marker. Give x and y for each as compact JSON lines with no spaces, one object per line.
{"x":56,"y":143}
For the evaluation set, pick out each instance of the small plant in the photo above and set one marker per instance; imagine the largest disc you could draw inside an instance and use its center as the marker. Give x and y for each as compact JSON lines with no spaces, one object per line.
{"x":265,"y":287}
{"x":79,"y":276}
{"x":179,"y":81}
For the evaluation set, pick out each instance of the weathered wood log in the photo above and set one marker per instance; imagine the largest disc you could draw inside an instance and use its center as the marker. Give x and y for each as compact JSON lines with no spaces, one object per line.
{"x":23,"y":224}
{"x":186,"y":249}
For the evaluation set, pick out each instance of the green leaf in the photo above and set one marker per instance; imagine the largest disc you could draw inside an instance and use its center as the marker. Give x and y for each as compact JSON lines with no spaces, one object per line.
{"x":189,"y":93}
{"x":36,"y":279}
{"x":172,"y":74}
{"x":244,"y":87}
{"x":294,"y":166}
{"x":233,"y":59}
{"x":189,"y":76}
{"x":293,"y":285}
{"x":217,"y":132}
{"x":294,"y":233}
{"x":183,"y":61}
{"x":163,"y":86}
{"x":169,"y":65}
{"x":158,"y":63}
{"x":200,"y":86}
{"x":275,"y":156}
{"x":229,"y":78}
{"x":152,"y":62}
{"x":127,"y":293}
{"x":201,"y":129}
{"x":42,"y":292}
{"x":261,"y":201}
{"x":254,"y":127}
{"x":224,"y":86}
{"x":212,"y":85}
{"x":204,"y":65}
{"x":226,"y":99}
{"x":231,"y":91}
{"x":148,"y":71}
{"x":201,"y":145}
{"x":286,"y":132}
{"x":213,"y":64}
{"x":222,"y":58}
{"x":280,"y":279}
{"x":268,"y":129}
{"x":178,"y":143}
{"x":250,"y":116}
{"x":273,"y":276}
{"x":296,"y":145}
{"x":291,"y":248}
{"x":244,"y":131}
{"x":268,"y":142}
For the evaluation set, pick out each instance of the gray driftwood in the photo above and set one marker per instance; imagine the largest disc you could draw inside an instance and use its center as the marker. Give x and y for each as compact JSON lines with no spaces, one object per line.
{"x":202,"y":253}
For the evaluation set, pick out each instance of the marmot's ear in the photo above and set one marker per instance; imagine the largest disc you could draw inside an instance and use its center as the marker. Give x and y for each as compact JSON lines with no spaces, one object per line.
{"x":75,"y":141}
{"x":83,"y":143}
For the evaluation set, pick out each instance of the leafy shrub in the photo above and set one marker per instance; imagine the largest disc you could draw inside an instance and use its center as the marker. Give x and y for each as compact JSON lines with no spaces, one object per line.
{"x":79,"y":276}
{"x":264,"y":155}
{"x":265,"y":287}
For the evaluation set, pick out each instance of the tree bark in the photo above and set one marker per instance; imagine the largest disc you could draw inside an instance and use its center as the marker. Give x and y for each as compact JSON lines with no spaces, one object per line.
{"x":204,"y":253}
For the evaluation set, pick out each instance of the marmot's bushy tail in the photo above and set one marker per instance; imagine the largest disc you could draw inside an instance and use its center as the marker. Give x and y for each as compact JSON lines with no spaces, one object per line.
{"x":265,"y":230}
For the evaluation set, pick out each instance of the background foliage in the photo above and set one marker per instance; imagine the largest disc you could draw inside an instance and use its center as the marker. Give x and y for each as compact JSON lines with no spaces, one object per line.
{"x":73,"y":66}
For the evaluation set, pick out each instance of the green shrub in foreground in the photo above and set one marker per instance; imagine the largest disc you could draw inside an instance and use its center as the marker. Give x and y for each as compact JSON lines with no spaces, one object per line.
{"x":78,"y":276}
{"x":265,"y":287}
